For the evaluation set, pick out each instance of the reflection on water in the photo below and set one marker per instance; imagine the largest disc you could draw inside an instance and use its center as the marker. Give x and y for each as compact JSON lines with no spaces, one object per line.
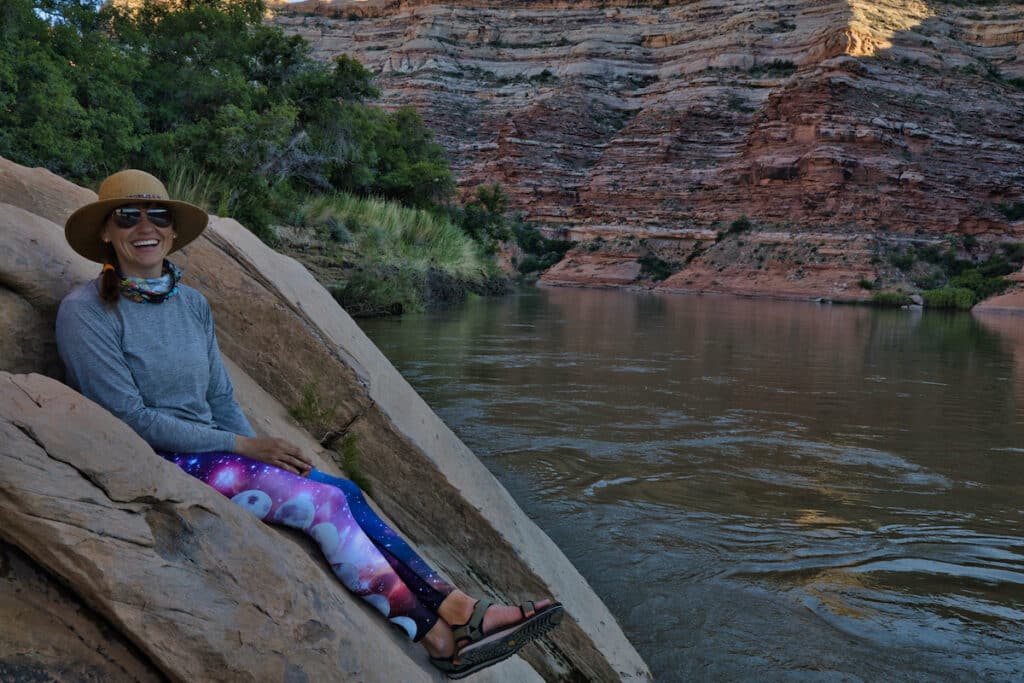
{"x":758,"y":490}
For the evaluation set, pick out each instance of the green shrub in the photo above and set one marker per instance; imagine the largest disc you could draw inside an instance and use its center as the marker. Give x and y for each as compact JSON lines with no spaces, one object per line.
{"x":775,"y":69}
{"x":529,"y":264}
{"x":394,"y":253}
{"x":86,"y":90}
{"x":931,"y":253}
{"x":983,"y":284}
{"x":381,"y":291}
{"x":932,"y":279}
{"x":1013,"y":212}
{"x":540,"y":253}
{"x":544,"y":76}
{"x":337,"y":230}
{"x":864,"y":283}
{"x":890,"y":298}
{"x":1013,"y":252}
{"x":959,"y":298}
{"x":903,"y":260}
{"x":654,"y":268}
{"x":741,"y":224}
{"x":484,"y":217}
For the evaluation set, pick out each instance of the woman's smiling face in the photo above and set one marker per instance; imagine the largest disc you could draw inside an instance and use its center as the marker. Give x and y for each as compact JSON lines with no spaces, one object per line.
{"x":141,"y":248}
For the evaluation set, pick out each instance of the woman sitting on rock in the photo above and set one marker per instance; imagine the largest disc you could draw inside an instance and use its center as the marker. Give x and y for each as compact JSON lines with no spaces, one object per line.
{"x":141,"y":344}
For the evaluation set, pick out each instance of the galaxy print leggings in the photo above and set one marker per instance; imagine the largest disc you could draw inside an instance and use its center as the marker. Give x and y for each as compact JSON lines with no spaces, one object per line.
{"x":369,"y":558}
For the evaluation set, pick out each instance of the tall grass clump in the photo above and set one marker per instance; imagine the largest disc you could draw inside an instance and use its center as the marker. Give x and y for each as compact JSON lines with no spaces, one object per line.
{"x":958,"y":298}
{"x":398,"y":252}
{"x":188,"y":183}
{"x":350,"y":463}
{"x":891,"y":299}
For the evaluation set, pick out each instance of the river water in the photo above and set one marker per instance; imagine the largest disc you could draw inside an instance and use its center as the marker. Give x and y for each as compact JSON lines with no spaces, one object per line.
{"x":758,"y":490}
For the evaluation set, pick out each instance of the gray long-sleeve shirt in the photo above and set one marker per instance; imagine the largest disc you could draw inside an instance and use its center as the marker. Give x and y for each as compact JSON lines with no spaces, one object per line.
{"x":155,"y":366}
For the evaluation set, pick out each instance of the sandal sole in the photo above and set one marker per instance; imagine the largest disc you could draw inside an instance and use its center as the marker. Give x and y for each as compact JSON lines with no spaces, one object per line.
{"x":499,"y":646}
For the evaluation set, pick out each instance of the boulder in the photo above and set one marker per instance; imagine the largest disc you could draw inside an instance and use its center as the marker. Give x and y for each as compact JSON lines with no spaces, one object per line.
{"x":40,"y":192}
{"x":137,"y":541}
{"x":37,"y":268}
{"x":1008,"y":303}
{"x":196,"y":581}
{"x":57,"y":635}
{"x":36,"y":262}
{"x":424,"y":476}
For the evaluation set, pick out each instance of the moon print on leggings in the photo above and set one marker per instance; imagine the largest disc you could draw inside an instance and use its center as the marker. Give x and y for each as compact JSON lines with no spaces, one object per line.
{"x":369,"y":558}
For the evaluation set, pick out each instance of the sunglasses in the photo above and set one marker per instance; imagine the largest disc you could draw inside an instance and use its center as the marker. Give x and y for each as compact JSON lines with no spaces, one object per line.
{"x":127,"y":217}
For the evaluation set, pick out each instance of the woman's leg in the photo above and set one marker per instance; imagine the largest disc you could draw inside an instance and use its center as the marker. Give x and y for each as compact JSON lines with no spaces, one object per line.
{"x":322,"y":511}
{"x":451,"y":604}
{"x":430,"y":588}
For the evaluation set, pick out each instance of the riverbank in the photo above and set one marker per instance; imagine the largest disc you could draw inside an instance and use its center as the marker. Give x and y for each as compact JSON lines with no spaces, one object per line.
{"x":750,"y":261}
{"x":377,"y":257}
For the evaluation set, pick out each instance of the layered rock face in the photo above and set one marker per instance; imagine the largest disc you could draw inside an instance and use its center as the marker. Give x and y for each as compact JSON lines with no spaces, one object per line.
{"x":667,"y":120}
{"x":156,"y":575}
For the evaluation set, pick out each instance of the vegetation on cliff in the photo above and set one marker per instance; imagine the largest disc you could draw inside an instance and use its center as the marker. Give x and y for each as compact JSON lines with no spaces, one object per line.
{"x":240,"y":118}
{"x":956,"y":277}
{"x":377,"y":257}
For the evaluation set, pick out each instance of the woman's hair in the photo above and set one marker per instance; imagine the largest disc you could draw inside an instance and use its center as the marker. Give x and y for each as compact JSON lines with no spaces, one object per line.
{"x":110,"y":282}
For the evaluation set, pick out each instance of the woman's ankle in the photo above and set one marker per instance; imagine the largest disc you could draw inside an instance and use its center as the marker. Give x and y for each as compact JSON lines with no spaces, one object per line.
{"x":438,"y":641}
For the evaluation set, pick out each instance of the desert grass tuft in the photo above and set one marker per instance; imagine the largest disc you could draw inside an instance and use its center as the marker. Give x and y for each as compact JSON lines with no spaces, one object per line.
{"x":388,"y":234}
{"x":186,"y":182}
{"x":312,"y":412}
{"x":350,"y":463}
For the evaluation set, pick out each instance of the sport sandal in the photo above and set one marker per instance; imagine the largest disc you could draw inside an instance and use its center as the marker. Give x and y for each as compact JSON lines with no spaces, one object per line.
{"x":482,"y":650}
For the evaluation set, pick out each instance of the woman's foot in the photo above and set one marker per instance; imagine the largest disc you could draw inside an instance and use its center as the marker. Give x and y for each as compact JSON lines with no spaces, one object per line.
{"x":457,"y":609}
{"x":490,"y":633}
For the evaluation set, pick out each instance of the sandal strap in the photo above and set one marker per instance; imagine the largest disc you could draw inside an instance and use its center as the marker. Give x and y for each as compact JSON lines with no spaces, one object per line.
{"x":473,"y":630}
{"x":527,"y":608}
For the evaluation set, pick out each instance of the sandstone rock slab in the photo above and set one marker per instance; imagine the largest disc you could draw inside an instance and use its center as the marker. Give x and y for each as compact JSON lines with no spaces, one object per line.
{"x":425,"y":477}
{"x":53,"y":636}
{"x":41,"y":192}
{"x":36,"y":262}
{"x":203,"y":589}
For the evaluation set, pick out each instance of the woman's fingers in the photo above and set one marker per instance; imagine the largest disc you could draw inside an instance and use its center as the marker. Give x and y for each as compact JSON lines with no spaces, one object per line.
{"x":277,"y":452}
{"x":294,"y":463}
{"x":287,"y":465}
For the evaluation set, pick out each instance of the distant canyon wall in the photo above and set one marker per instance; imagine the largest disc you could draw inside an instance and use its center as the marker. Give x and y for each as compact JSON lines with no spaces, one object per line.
{"x":675,"y":118}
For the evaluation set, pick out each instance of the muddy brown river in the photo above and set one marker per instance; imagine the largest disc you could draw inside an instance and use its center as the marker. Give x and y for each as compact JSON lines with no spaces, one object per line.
{"x":759,"y":490}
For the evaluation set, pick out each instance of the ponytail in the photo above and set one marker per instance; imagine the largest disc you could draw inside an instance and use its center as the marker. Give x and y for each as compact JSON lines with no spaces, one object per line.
{"x":110,"y":282}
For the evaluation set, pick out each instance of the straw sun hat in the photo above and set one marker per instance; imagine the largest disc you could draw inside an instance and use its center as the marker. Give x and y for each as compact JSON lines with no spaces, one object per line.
{"x":84,"y":226}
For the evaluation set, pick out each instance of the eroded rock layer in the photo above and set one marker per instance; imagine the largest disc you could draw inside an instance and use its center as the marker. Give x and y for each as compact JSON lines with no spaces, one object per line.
{"x":844,"y":117}
{"x":894,"y":114}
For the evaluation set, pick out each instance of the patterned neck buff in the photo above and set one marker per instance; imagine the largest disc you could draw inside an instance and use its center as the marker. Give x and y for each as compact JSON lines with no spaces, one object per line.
{"x":152,"y":290}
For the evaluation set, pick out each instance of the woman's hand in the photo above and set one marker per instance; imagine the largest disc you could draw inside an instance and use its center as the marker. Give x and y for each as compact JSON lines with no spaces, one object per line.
{"x":273,"y":451}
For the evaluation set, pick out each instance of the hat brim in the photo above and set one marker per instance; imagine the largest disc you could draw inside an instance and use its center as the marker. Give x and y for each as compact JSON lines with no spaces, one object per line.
{"x":82,"y":228}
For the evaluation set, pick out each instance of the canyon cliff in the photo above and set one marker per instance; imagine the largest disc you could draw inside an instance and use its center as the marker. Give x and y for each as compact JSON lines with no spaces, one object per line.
{"x":834,"y":131}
